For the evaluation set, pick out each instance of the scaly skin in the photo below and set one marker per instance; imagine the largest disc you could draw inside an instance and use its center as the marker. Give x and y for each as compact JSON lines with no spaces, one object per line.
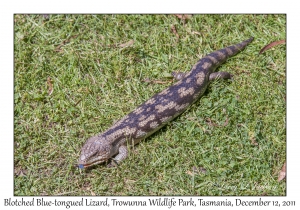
{"x":157,"y":111}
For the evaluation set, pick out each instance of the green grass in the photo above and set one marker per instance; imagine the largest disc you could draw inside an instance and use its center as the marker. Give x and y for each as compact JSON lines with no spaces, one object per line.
{"x":96,"y":82}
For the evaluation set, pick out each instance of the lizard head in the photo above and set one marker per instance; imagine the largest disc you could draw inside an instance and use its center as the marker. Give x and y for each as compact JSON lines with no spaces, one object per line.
{"x":93,"y":152}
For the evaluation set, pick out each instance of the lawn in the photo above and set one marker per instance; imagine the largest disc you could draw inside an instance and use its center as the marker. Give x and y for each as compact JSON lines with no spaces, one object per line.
{"x":75,"y":75}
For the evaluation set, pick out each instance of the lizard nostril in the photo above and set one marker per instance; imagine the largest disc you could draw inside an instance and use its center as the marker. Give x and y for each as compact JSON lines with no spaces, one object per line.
{"x":82,"y":157}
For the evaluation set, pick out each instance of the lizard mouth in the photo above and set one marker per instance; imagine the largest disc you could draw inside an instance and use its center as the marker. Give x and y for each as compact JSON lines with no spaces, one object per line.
{"x":87,"y":165}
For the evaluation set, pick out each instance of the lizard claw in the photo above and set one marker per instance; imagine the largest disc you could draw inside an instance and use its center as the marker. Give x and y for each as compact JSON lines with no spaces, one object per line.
{"x":112,"y":164}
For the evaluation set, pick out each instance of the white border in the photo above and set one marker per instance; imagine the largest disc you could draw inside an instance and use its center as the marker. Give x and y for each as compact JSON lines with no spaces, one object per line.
{"x":8,"y":9}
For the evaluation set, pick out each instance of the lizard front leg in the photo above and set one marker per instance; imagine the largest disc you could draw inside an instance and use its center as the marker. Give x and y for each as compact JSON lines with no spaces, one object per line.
{"x":123,"y":152}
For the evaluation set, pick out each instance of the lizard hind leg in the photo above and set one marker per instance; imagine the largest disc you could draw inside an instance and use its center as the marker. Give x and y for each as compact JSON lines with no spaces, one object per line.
{"x":220,"y":75}
{"x":178,"y":75}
